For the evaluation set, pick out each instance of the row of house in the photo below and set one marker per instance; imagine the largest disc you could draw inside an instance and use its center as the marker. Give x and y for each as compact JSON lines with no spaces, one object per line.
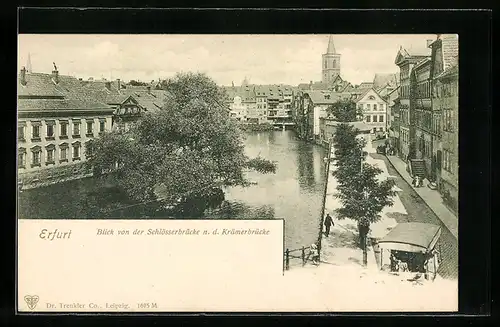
{"x":260,"y":103}
{"x":59,"y":115}
{"x":424,"y":116}
{"x":371,"y":99}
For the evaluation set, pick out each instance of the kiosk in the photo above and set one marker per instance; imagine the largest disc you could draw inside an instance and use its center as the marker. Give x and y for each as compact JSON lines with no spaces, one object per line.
{"x":410,"y":248}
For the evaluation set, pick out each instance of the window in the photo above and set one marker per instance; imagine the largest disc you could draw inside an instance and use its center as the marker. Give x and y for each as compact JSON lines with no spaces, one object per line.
{"x":368,"y":119}
{"x":76,"y":151}
{"x":64,"y":152}
{"x":90,"y":127}
{"x":64,"y":130}
{"x":381,"y":118}
{"x":102,"y":125}
{"x":50,"y":131}
{"x":381,"y":107}
{"x":36,"y":156}
{"x":21,"y":158}
{"x":448,"y":120}
{"x":447,"y":161}
{"x":368,"y":106}
{"x":76,"y":129}
{"x":35,"y":131}
{"x":20,"y":133}
{"x":374,"y":118}
{"x":50,"y":154}
{"x":374,"y":107}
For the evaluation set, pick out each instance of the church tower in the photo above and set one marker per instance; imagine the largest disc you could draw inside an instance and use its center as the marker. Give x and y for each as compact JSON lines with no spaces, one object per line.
{"x":331,"y":63}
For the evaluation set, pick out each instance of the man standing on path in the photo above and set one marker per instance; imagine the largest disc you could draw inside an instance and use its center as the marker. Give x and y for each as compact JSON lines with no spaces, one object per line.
{"x":328,"y":224}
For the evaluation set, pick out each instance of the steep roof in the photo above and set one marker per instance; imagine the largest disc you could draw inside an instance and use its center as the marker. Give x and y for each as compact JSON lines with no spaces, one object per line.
{"x":326,"y":97}
{"x":38,"y":84}
{"x":381,"y":80}
{"x":364,"y":85}
{"x":331,"y":46}
{"x":362,"y":95}
{"x":450,"y":49}
{"x":411,"y":53}
{"x":422,"y":63}
{"x":450,"y":72}
{"x":42,"y":93}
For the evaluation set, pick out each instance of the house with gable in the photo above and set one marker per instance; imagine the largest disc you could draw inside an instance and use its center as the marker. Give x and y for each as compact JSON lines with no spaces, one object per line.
{"x":374,"y":109}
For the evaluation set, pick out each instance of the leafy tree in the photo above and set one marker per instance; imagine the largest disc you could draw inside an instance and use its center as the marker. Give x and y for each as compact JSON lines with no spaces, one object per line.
{"x":183,"y":154}
{"x":345,"y":110}
{"x":137,"y":83}
{"x":362,"y":195}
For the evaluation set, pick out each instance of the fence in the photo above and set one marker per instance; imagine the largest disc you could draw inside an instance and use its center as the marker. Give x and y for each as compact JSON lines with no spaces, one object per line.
{"x":289,"y":255}
{"x":329,"y":147}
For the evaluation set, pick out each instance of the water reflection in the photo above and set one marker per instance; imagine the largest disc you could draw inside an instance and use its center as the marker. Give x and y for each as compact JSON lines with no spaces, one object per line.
{"x":294,"y":193}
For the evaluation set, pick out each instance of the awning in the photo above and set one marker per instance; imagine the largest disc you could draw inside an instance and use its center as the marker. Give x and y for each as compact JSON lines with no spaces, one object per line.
{"x":412,"y":237}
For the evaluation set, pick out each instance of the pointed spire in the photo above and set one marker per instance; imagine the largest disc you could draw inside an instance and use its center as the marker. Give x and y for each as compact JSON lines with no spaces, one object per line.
{"x":28,"y":64}
{"x":331,"y":46}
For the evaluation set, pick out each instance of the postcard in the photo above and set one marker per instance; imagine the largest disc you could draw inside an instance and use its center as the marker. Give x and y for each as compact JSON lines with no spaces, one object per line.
{"x":237,"y":173}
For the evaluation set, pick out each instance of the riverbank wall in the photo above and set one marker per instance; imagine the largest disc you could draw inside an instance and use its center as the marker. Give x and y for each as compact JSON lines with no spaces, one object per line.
{"x":51,"y":176}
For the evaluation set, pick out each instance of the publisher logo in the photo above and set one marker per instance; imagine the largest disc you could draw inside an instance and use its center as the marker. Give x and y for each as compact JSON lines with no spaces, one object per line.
{"x":31,"y":301}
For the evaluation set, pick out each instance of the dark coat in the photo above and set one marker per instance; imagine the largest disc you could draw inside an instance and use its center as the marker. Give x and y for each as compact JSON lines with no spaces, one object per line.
{"x":329,"y":221}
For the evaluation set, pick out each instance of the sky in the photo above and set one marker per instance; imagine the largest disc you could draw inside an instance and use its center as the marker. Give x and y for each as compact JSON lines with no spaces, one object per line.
{"x":263,"y":59}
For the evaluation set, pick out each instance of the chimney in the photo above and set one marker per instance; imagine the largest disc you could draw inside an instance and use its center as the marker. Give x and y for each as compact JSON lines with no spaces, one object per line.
{"x":429,"y":42}
{"x":108,"y":85}
{"x":119,"y":84}
{"x":55,"y":74}
{"x":149,"y":89}
{"x":310,"y":85}
{"x":23,"y":76}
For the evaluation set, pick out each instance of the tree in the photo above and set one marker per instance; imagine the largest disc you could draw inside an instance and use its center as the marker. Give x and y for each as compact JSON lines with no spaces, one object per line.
{"x":362,"y":195}
{"x":183,"y":154}
{"x":344,"y":110}
{"x":137,"y":83}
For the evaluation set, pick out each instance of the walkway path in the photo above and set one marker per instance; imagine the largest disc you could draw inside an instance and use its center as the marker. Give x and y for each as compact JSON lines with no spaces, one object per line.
{"x":341,"y":247}
{"x":431,"y":197}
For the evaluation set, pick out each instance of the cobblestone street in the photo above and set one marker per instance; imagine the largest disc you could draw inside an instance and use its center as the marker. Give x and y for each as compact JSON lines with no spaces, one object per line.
{"x":418,"y":211}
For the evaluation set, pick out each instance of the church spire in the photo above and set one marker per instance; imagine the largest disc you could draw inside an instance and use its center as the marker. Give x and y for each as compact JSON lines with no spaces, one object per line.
{"x":331,"y":47}
{"x":28,"y":64}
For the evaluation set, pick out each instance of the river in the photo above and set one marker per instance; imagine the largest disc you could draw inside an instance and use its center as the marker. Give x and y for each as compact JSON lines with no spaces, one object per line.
{"x":294,"y":193}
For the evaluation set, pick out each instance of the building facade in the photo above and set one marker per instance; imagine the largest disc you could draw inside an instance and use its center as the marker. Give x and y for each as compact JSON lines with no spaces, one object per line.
{"x":447,"y":100}
{"x":421,"y":106}
{"x":55,"y":125}
{"x":374,"y":109}
{"x":444,"y":75}
{"x":406,"y":60}
{"x":316,"y":104}
{"x":393,"y":104}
